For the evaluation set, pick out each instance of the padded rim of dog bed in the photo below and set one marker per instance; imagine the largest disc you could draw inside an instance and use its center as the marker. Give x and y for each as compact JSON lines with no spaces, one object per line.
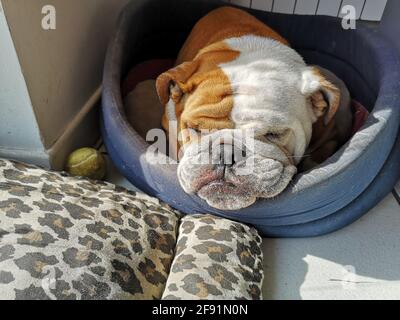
{"x":361,"y":57}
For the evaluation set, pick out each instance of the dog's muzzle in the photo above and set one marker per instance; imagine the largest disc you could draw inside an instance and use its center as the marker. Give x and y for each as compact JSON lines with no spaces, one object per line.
{"x":230,"y":169}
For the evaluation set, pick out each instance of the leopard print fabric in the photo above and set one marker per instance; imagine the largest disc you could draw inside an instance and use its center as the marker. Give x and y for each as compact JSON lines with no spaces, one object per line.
{"x":69,"y":238}
{"x":215,"y":259}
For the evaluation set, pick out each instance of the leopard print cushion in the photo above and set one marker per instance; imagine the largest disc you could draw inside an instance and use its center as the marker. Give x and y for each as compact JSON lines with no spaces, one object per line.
{"x":70,"y":238}
{"x":215,"y":259}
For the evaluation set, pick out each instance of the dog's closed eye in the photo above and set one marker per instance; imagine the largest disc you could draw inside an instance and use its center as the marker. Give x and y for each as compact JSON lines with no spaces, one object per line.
{"x":277,"y":135}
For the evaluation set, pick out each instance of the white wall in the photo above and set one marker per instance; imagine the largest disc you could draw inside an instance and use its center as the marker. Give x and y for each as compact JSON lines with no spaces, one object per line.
{"x":63,"y":67}
{"x":370,"y":10}
{"x":19,"y":132}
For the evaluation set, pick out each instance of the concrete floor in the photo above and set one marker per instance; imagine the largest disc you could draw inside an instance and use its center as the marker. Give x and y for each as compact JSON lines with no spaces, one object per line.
{"x":361,"y":261}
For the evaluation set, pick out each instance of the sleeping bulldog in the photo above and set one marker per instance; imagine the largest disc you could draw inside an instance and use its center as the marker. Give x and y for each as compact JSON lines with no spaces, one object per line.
{"x":238,"y":87}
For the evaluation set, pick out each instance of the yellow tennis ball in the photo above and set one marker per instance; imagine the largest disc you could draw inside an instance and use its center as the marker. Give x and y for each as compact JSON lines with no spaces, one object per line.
{"x":87,"y":162}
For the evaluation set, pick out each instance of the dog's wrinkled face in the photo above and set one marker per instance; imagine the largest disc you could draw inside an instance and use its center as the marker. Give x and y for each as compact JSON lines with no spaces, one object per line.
{"x":244,"y":123}
{"x":236,"y":170}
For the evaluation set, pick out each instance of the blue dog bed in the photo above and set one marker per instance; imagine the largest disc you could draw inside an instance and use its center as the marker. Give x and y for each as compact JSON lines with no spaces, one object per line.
{"x":323,"y":200}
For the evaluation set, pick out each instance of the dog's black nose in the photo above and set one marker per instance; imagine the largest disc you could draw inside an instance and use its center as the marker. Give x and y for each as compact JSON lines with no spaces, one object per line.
{"x":228,"y":155}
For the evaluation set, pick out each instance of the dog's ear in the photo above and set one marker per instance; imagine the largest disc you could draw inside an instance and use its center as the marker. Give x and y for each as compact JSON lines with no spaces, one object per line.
{"x":173,"y":82}
{"x":325,"y":97}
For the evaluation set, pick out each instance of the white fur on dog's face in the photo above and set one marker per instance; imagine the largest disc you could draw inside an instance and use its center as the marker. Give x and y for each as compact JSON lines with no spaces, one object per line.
{"x":271,"y":87}
{"x":268,"y":85}
{"x":264,"y":171}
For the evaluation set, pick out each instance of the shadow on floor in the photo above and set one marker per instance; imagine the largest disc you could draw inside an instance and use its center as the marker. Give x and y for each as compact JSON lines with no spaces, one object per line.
{"x":365,"y":254}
